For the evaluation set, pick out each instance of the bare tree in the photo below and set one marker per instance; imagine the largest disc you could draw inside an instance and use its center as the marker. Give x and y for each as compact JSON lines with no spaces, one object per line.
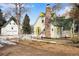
{"x":56,"y":7}
{"x":11,"y":11}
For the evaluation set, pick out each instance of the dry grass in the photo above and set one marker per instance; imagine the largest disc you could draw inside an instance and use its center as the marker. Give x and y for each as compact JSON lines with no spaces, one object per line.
{"x":55,"y":48}
{"x":30,"y":47}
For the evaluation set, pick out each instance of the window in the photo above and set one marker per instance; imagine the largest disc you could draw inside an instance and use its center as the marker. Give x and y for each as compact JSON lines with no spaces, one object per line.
{"x":44,"y":29}
{"x":76,"y":28}
{"x":12,"y":28}
{"x":14,"y":23}
{"x":42,"y":21}
{"x":10,"y":23}
{"x":52,"y":29}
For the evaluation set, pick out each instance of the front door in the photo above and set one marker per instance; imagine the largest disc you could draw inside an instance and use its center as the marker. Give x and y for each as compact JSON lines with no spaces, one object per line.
{"x":38,"y":30}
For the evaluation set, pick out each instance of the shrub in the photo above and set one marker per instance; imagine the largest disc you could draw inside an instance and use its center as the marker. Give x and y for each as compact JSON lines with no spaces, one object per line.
{"x":75,"y":39}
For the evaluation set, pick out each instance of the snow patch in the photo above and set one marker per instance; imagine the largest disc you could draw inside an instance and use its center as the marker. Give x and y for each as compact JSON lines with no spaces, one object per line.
{"x":1,"y":45}
{"x":4,"y":41}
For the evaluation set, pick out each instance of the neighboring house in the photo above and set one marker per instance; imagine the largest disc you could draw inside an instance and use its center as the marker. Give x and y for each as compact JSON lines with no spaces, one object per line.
{"x":10,"y":28}
{"x":44,"y":28}
{"x":39,"y":28}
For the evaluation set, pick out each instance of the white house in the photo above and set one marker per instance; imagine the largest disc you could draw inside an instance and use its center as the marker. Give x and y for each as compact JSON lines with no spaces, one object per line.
{"x":10,"y":28}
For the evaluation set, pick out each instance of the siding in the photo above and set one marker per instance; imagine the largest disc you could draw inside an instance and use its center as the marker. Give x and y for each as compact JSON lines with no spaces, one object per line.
{"x":10,"y":29}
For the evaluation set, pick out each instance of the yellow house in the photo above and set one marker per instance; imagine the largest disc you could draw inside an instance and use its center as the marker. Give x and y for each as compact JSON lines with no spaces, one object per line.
{"x":39,"y":25}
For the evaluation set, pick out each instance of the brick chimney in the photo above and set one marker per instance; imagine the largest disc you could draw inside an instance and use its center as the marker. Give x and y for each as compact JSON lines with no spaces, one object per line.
{"x":47,"y":21}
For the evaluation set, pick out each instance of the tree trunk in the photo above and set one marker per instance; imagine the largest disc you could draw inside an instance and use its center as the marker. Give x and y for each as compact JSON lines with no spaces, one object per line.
{"x":73,"y":28}
{"x":0,"y":31}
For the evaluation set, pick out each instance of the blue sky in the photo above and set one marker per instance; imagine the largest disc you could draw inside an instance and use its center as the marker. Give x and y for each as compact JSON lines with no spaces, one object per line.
{"x":41,"y":7}
{"x":36,"y":9}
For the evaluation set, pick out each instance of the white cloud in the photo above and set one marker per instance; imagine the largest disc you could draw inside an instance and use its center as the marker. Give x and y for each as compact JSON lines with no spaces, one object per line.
{"x":29,"y":5}
{"x":67,"y":9}
{"x":64,"y":10}
{"x":6,"y":5}
{"x":7,"y":9}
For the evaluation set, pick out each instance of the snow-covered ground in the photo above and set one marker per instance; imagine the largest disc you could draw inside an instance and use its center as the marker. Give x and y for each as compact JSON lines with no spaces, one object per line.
{"x":6,"y":42}
{"x":1,"y":45}
{"x":27,"y":36}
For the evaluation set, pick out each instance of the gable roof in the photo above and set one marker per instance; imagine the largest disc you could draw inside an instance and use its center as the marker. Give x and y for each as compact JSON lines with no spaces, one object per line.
{"x":12,"y":18}
{"x":40,"y":15}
